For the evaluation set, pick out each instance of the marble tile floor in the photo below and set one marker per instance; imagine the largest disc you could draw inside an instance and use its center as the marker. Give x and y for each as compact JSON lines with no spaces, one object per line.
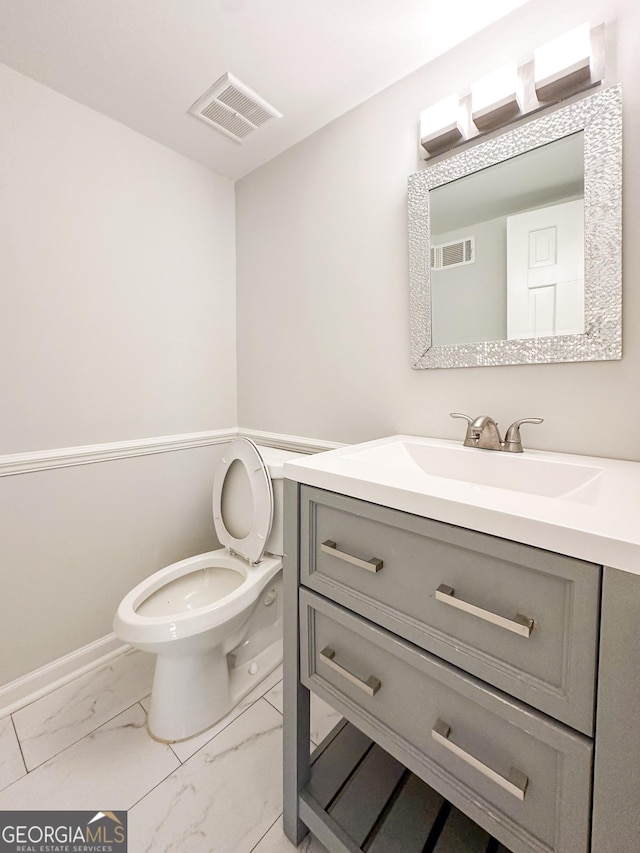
{"x":85,"y":746}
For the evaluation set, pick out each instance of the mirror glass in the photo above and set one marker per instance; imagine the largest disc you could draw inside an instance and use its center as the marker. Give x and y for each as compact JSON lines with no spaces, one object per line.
{"x":507,"y":248}
{"x":515,"y":244}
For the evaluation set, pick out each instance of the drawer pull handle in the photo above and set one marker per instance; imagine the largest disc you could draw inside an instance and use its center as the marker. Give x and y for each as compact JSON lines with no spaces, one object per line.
{"x":521,"y":625}
{"x":370,"y":686}
{"x":516,"y":783}
{"x":373,"y":565}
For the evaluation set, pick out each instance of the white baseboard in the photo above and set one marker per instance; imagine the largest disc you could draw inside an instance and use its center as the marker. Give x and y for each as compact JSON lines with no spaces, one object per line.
{"x":26,"y":689}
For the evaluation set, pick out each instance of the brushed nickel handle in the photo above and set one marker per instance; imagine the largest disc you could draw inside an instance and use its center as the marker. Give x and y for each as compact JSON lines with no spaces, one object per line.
{"x":512,"y":440}
{"x":370,"y":686}
{"x":521,"y":625}
{"x":516,"y":424}
{"x":373,"y":565}
{"x":515,"y":783}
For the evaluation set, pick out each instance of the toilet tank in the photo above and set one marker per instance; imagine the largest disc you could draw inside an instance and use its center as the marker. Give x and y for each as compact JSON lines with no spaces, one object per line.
{"x":274,"y":459}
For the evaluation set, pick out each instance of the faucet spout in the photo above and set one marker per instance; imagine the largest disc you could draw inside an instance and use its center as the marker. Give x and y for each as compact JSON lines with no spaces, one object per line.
{"x":485,"y":432}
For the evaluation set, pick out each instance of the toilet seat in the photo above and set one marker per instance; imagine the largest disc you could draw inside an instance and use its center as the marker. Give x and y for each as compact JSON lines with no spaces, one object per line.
{"x":251,"y":546}
{"x":140,"y":629}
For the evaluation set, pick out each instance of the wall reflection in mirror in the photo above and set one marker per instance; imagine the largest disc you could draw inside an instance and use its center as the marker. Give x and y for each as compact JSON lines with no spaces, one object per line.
{"x":515,"y":244}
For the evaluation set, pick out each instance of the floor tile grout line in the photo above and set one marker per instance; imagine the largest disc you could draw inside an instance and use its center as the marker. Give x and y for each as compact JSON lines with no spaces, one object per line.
{"x":241,"y":714}
{"x":71,"y":680}
{"x":261,"y":839}
{"x":271,"y":703}
{"x":164,"y":778}
{"x":24,"y":763}
{"x":266,"y":696}
{"x":75,"y":742}
{"x":186,"y":761}
{"x":176,"y":754}
{"x":108,"y":664}
{"x":160,"y":782}
{"x":262,"y":696}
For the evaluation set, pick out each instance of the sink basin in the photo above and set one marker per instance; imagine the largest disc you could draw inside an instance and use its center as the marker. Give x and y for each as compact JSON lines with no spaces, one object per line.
{"x":516,"y":472}
{"x":582,"y":506}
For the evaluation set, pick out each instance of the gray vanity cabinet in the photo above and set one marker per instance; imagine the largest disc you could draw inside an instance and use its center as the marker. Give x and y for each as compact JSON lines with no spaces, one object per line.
{"x":388,"y":566}
{"x":471,"y":663}
{"x":466,"y":740}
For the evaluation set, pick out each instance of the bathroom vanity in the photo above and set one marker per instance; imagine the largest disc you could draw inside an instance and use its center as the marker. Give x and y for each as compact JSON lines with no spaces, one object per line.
{"x":474,"y":618}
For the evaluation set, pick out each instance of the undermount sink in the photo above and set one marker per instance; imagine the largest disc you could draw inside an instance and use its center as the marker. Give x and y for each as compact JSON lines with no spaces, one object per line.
{"x":517,"y":472}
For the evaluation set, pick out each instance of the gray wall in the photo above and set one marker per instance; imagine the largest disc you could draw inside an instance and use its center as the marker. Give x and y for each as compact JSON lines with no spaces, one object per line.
{"x":322,"y":281}
{"x":469,"y":303}
{"x":75,"y":540}
{"x":117,"y":322}
{"x":117,"y":265}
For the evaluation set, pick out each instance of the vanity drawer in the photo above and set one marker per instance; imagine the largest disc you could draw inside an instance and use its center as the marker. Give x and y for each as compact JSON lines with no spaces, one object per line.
{"x":523,"y":619}
{"x":523,"y":777}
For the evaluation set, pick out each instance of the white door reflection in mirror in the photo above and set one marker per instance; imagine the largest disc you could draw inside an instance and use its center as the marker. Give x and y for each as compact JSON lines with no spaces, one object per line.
{"x":545,"y":271}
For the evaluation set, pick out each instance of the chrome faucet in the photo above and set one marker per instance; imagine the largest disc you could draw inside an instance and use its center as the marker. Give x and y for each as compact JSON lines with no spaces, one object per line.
{"x":483,"y":433}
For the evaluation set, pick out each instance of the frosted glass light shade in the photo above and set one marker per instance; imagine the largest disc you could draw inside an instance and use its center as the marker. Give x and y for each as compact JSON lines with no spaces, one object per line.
{"x":563,"y":64}
{"x":440,"y":125}
{"x":495,"y":98}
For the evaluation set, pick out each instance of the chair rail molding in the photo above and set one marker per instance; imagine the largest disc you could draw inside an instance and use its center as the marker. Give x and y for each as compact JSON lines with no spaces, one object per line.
{"x":296,"y":443}
{"x":68,"y":457}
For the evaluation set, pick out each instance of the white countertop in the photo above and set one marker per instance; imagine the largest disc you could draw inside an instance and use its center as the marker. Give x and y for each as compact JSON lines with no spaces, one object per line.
{"x":599,"y":523}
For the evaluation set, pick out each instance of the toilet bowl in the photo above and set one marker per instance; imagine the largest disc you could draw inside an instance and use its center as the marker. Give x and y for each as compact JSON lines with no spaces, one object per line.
{"x":215,"y":620}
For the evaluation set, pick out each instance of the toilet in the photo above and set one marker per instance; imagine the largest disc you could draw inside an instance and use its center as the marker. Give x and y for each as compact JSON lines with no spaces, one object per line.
{"x":215,"y":620}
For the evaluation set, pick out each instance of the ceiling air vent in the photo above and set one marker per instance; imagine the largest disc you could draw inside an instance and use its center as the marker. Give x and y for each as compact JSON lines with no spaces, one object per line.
{"x":233,"y":108}
{"x":455,"y":254}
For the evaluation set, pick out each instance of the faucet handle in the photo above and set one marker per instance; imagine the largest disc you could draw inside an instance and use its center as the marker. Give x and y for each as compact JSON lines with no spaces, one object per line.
{"x":470,"y":439}
{"x":512,"y":440}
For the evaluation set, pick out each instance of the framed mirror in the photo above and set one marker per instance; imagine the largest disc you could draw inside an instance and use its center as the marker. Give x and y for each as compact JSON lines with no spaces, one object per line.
{"x":515,"y":244}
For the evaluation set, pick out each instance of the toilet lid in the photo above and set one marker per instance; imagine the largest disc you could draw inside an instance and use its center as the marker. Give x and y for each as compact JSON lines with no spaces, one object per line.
{"x":248,"y":542}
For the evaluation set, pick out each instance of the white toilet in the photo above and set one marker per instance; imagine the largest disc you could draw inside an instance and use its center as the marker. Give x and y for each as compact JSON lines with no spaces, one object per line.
{"x":215,"y":620}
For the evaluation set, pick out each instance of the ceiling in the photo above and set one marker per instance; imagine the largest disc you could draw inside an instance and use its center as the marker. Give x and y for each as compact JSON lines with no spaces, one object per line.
{"x":144,"y":62}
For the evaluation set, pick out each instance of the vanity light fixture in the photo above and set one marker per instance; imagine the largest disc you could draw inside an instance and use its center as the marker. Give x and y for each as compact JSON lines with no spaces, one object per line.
{"x":563,"y":65}
{"x":440,"y":125}
{"x":496,"y":98}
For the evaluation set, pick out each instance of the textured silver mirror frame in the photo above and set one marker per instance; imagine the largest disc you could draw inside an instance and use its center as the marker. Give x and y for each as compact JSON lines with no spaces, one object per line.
{"x":600,"y":117}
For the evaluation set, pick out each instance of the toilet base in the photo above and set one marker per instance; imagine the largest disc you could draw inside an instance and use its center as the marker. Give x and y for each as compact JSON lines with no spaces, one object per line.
{"x":191,"y":694}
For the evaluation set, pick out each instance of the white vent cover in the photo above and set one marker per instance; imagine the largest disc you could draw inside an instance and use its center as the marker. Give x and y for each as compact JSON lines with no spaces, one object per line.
{"x":455,"y":254}
{"x":233,"y":108}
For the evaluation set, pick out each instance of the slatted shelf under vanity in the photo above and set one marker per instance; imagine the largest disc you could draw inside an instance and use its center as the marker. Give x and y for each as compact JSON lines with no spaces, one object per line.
{"x":361,"y":797}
